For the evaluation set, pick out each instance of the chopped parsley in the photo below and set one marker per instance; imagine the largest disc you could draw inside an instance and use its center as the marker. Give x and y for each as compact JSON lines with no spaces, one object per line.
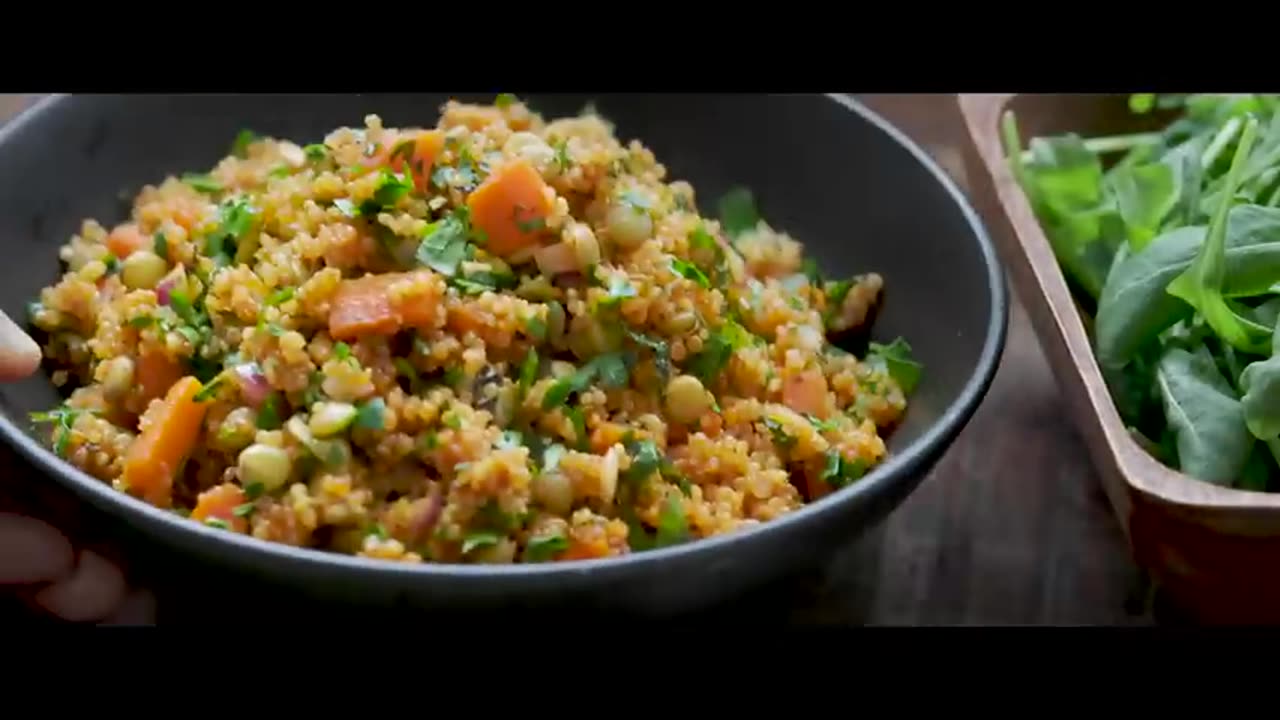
{"x":202,"y":182}
{"x":738,"y":212}
{"x":316,"y":152}
{"x":245,"y":138}
{"x":480,"y":282}
{"x":720,"y":346}
{"x":409,"y":372}
{"x":377,"y":530}
{"x":218,"y":523}
{"x":269,"y":412}
{"x":836,"y":292}
{"x":673,"y":526}
{"x":476,"y":540}
{"x":542,"y":548}
{"x":391,"y":188}
{"x":444,"y":246}
{"x":563,"y":161}
{"x":689,"y":271}
{"x":645,"y":460}
{"x":210,"y":389}
{"x":780,"y":436}
{"x":64,"y":418}
{"x":161,"y":245}
{"x":839,"y":472}
{"x":283,"y":295}
{"x":371,"y":414}
{"x":280,"y":171}
{"x":528,"y":371}
{"x":452,"y":421}
{"x":661,"y":351}
{"x":611,"y":369}
{"x":236,"y":219}
{"x":341,"y":350}
{"x":895,"y":359}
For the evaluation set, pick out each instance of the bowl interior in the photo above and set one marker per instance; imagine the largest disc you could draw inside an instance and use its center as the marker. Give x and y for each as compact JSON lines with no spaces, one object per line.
{"x":820,"y":171}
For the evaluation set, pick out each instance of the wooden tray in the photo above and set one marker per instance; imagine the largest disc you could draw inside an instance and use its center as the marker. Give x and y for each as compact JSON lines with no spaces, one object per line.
{"x":1211,"y":549}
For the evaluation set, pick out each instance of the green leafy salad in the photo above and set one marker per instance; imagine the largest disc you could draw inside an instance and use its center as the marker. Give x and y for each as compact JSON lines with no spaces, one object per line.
{"x":1171,"y":242}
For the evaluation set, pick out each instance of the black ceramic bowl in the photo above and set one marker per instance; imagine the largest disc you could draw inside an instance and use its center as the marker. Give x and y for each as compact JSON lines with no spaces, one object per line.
{"x":853,"y":189}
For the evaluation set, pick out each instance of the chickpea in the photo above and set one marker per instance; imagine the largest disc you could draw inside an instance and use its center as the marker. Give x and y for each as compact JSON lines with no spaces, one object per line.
{"x":687,"y":399}
{"x":117,"y":377}
{"x":553,"y":491}
{"x":585,"y":247}
{"x":628,"y":226}
{"x":143,"y":270}
{"x":264,"y":464}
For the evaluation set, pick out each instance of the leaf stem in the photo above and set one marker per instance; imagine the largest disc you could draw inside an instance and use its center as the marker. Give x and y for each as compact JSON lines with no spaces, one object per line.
{"x":1109,"y":144}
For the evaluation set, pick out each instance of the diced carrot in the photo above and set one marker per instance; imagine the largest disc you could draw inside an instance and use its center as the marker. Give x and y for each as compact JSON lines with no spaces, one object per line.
{"x":511,"y":207}
{"x":125,"y":239}
{"x":806,"y":392}
{"x":426,"y":148}
{"x":585,"y":548}
{"x":157,"y":372}
{"x":172,"y":429}
{"x":606,"y":435}
{"x":219,"y":503}
{"x":364,"y":306}
{"x":711,"y":424}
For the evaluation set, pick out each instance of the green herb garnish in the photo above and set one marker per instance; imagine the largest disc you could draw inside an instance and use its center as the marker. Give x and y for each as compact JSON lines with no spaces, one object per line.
{"x":738,"y":212}
{"x":269,"y":412}
{"x":543,"y":548}
{"x":895,"y":359}
{"x":283,"y":295}
{"x":202,"y":183}
{"x":444,"y":246}
{"x":161,"y":245}
{"x":689,"y":271}
{"x":245,"y":138}
{"x":371,"y":415}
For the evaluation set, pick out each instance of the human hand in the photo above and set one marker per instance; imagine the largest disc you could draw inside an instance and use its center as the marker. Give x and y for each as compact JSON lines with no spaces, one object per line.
{"x":48,"y":558}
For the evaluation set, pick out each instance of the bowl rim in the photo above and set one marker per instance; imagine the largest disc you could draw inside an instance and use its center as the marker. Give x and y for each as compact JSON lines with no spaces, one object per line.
{"x":246,"y":551}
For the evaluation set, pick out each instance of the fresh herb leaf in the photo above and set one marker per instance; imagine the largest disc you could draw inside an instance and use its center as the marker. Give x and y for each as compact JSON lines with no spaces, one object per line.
{"x":316,"y":152}
{"x":141,"y":321}
{"x":543,"y":548}
{"x":235,"y":220}
{"x":661,"y":351}
{"x":779,"y":433}
{"x":218,"y":523}
{"x":720,"y":346}
{"x":673,"y":526}
{"x":505,"y":100}
{"x":528,"y":371}
{"x":537,"y":328}
{"x":839,"y":472}
{"x":477,"y":540}
{"x":245,"y":138}
{"x":738,"y":212}
{"x":341,"y":350}
{"x":611,"y":368}
{"x":210,"y":389}
{"x":646,"y":460}
{"x":444,"y":246}
{"x":244,"y":510}
{"x":160,"y":244}
{"x":688,"y":270}
{"x":64,"y":419}
{"x":254,"y":490}
{"x":563,"y":161}
{"x":371,"y":415}
{"x":619,"y":288}
{"x":283,"y":295}
{"x":269,"y":412}
{"x":202,"y":183}
{"x":895,"y":359}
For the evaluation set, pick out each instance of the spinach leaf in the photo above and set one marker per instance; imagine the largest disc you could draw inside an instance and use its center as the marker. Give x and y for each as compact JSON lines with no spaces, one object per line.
{"x":1144,"y":195}
{"x":1135,"y":306}
{"x":1213,"y":442}
{"x":1200,"y":285}
{"x":1260,"y":383}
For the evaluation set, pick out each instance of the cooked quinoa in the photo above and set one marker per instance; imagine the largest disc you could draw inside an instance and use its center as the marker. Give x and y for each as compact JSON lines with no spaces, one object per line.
{"x":497,"y":340}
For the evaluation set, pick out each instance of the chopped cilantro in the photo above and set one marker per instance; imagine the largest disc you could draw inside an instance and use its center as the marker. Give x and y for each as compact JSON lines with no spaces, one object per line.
{"x":452,"y":376}
{"x":316,"y":152}
{"x":377,"y":530}
{"x":610,"y":368}
{"x":405,"y":369}
{"x":528,"y":371}
{"x":562,"y":155}
{"x":210,"y":389}
{"x":542,"y":548}
{"x":371,"y":414}
{"x":688,"y":270}
{"x":661,"y":351}
{"x":444,"y":246}
{"x":243,"y":510}
{"x":65,"y":418}
{"x":475,"y":540}
{"x":202,"y":183}
{"x":537,"y":328}
{"x":254,"y":490}
{"x":280,"y":296}
{"x":391,"y":187}
{"x":161,"y":245}
{"x":113,"y":264}
{"x":341,"y":350}
{"x":218,"y":523}
{"x":245,"y":138}
{"x":822,"y":425}
{"x":738,"y":211}
{"x":895,"y":359}
{"x":840,"y":472}
{"x":810,"y":269}
{"x":780,"y":436}
{"x":269,"y":412}
{"x":720,"y":346}
{"x":236,"y":219}
{"x":645,"y":460}
{"x":452,"y":421}
{"x":673,"y":526}
{"x":274,"y":329}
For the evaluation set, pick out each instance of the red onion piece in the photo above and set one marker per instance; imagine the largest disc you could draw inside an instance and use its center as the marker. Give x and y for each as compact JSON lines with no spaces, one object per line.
{"x":164,"y":289}
{"x":253,"y":384}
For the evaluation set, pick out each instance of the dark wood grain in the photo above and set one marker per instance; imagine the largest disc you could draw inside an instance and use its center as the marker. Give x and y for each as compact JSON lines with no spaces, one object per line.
{"x":1010,"y":528}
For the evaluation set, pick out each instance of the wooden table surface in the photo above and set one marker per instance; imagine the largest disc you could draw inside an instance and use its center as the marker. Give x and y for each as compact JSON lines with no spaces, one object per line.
{"x":1011,"y":527}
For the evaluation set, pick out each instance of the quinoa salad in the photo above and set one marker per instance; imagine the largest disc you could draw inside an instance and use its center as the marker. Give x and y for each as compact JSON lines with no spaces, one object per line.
{"x":501,"y":339}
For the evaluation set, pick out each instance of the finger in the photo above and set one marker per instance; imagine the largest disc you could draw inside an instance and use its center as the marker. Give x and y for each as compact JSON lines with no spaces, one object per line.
{"x":139,"y":608}
{"x":32,"y":551}
{"x":93,"y":591}
{"x":19,"y":353}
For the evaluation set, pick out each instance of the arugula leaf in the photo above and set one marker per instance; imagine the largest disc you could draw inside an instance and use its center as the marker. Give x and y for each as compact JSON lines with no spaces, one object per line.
{"x":1201,"y":284}
{"x":895,"y":359}
{"x":738,"y":212}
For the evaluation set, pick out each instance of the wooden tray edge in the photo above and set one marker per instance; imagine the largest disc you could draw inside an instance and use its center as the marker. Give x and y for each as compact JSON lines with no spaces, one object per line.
{"x":1126,"y":467}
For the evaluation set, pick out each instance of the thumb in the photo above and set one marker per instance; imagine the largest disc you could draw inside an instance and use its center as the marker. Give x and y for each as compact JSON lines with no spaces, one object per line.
{"x":19,"y":354}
